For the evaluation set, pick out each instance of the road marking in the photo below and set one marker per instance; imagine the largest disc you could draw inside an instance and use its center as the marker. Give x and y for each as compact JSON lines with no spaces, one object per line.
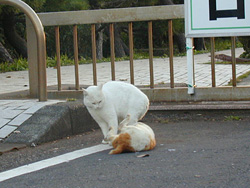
{"x":52,"y":161}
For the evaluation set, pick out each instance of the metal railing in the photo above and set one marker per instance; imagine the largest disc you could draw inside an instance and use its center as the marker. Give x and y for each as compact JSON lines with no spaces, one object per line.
{"x":112,"y":16}
{"x":131,"y":15}
{"x":39,"y":66}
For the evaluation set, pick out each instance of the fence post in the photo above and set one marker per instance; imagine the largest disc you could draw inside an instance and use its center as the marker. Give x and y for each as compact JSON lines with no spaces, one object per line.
{"x":190,"y":65}
{"x":32,"y":58}
{"x":151,"y":53}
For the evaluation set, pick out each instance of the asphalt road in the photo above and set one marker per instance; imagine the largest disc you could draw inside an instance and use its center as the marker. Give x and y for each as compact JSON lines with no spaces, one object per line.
{"x":194,"y":149}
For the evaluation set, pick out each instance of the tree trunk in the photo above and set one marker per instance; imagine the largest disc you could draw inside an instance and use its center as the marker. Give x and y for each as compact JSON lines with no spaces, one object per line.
{"x":17,"y":42}
{"x":181,"y":42}
{"x":166,"y":2}
{"x":4,"y":55}
{"x":99,"y":31}
{"x":99,"y":43}
{"x":199,"y":44}
{"x":179,"y":37}
{"x":246,"y":46}
{"x":121,"y":48}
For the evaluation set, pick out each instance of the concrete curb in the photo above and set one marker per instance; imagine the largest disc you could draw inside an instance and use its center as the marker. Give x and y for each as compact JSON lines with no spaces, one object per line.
{"x":60,"y":120}
{"x":54,"y":122}
{"x":219,"y":105}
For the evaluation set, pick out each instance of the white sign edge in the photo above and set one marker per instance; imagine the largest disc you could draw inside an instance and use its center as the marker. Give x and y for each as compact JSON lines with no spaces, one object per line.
{"x":190,"y":34}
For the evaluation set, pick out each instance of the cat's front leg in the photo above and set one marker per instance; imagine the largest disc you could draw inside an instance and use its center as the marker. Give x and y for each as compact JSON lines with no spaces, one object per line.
{"x":112,"y":122}
{"x":113,"y":130}
{"x":105,"y":129}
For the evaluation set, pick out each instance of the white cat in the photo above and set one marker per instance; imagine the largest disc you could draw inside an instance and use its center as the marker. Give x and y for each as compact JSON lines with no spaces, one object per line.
{"x":110,"y":103}
{"x":132,"y":138}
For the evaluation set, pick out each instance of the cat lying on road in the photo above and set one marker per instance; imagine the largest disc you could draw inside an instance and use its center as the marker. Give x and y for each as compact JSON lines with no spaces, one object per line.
{"x":132,"y":138}
{"x":110,"y":103}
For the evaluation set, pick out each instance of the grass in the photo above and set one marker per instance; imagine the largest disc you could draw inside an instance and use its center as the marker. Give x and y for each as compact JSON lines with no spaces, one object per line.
{"x":22,"y":64}
{"x":232,"y":118}
{"x":239,"y":78}
{"x":223,"y":44}
{"x":17,"y":65}
{"x":164,"y":121}
{"x":71,"y":99}
{"x":229,"y":62}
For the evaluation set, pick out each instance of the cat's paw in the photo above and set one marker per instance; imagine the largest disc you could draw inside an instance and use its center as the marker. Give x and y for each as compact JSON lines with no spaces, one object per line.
{"x":111,"y":152}
{"x":104,"y":141}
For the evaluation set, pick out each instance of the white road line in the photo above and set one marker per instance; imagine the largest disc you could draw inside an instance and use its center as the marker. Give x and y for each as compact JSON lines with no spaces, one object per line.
{"x":52,"y":162}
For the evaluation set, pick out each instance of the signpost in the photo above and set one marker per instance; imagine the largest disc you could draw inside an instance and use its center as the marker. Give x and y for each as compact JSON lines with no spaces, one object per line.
{"x":214,"y":18}
{"x":217,"y":18}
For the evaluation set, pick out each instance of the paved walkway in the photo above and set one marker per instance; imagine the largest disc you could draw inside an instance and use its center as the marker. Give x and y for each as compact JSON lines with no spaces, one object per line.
{"x":18,"y":81}
{"x":14,"y":112}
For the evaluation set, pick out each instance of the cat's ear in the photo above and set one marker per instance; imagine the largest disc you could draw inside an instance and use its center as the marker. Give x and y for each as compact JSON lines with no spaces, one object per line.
{"x":100,"y":86}
{"x":85,"y":93}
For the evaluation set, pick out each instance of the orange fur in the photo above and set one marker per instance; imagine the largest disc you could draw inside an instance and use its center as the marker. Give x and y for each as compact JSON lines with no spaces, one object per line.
{"x":151,"y":145}
{"x":122,"y":144}
{"x":132,"y":138}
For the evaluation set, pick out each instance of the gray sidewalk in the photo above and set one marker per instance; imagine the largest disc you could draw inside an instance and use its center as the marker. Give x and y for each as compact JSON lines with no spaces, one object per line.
{"x":14,"y":112}
{"x":18,"y":81}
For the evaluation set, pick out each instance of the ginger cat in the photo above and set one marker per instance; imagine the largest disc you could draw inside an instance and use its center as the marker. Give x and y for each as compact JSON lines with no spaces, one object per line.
{"x":132,"y":138}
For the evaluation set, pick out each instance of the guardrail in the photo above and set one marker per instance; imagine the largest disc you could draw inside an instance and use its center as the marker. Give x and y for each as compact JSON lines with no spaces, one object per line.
{"x":129,"y":15}
{"x":38,"y":67}
{"x":110,"y":16}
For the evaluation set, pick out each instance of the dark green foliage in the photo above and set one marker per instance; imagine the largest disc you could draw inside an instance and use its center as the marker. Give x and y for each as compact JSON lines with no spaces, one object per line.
{"x":66,"y":40}
{"x":246,"y":45}
{"x":140,"y":29}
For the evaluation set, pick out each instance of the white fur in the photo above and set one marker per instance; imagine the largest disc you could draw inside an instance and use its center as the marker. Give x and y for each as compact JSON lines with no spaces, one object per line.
{"x":142,"y":137}
{"x":110,"y":103}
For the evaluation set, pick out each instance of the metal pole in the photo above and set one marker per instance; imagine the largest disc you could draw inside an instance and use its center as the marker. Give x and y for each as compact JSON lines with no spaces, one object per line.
{"x":131,"y":52}
{"x":233,"y":61}
{"x":190,"y":65}
{"x":58,"y":58}
{"x":94,"y":53}
{"x":213,"y":61}
{"x":112,"y":50}
{"x":171,"y":52}
{"x":150,"y":46}
{"x":77,"y":85}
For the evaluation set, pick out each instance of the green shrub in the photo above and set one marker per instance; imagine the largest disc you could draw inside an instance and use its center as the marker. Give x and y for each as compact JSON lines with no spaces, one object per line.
{"x":17,"y":65}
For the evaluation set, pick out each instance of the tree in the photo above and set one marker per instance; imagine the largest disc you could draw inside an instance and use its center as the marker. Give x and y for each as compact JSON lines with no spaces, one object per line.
{"x":246,"y":46}
{"x":10,"y":32}
{"x":13,"y":44}
{"x":13,"y":21}
{"x":94,"y":4}
{"x":4,"y":54}
{"x":11,"y":18}
{"x":64,"y":5}
{"x":121,"y":48}
{"x":178,"y":26}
